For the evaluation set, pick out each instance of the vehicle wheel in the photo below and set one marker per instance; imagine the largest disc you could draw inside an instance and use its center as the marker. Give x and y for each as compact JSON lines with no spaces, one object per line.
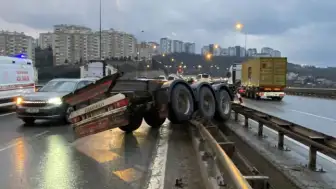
{"x":206,"y":103}
{"x":68,"y":111}
{"x":153,"y":119}
{"x":134,"y":124}
{"x":223,"y":108}
{"x":28,"y":120}
{"x":181,"y":107}
{"x":276,"y":98}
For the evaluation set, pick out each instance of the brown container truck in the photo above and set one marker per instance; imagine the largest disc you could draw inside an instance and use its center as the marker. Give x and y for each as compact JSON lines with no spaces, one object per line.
{"x":264,"y":77}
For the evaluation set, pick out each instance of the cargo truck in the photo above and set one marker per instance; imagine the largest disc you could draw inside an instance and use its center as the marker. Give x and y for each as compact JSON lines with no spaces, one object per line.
{"x":264,"y":77}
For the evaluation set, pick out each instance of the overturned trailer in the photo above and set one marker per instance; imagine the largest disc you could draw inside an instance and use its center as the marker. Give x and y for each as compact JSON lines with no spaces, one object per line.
{"x":113,"y":102}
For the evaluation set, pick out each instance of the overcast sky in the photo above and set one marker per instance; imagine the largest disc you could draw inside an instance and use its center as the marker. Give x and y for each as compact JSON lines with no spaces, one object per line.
{"x":303,"y":30}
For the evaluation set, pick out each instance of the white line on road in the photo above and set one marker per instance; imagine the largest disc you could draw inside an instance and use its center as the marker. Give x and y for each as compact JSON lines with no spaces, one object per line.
{"x":6,"y":114}
{"x":322,"y":117}
{"x":10,"y":145}
{"x":158,"y":165}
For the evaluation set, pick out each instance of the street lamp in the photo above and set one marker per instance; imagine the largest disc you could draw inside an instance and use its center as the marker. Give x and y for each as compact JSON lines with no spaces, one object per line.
{"x":239,"y":27}
{"x":208,"y":56}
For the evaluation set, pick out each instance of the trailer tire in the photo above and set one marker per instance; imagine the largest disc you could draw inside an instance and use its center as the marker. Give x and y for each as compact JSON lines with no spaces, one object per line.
{"x":181,"y":106}
{"x":153,"y":119}
{"x":223,"y":106}
{"x":206,"y":103}
{"x":134,"y":124}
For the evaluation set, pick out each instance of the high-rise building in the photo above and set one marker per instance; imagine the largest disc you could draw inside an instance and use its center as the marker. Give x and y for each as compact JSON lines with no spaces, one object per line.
{"x":12,"y":43}
{"x":205,"y":49}
{"x":225,"y":52}
{"x":252,"y":51}
{"x":165,"y":45}
{"x":74,"y":44}
{"x":190,"y":48}
{"x":266,"y":50}
{"x":276,"y":53}
{"x":155,"y":47}
{"x":178,"y":46}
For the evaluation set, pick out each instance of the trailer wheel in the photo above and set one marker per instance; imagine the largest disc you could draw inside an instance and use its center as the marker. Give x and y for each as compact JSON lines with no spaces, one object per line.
{"x":153,"y":119}
{"x":223,"y":108}
{"x":206,"y":103}
{"x":181,"y":106}
{"x":134,"y":124}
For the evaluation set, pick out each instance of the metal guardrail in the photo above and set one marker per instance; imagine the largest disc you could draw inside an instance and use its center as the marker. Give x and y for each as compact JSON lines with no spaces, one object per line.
{"x":316,"y":141}
{"x":212,"y":152}
{"x":319,"y":92}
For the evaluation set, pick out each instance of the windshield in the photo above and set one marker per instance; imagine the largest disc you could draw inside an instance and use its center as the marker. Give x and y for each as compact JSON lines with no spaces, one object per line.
{"x":170,"y":78}
{"x":59,"y":86}
{"x":205,"y":76}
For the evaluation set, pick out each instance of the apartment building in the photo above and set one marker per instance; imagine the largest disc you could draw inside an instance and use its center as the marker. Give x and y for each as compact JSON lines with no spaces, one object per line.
{"x":147,"y":50}
{"x":165,"y":45}
{"x":178,"y":46}
{"x":76,"y":44}
{"x":190,"y":48}
{"x":12,"y":43}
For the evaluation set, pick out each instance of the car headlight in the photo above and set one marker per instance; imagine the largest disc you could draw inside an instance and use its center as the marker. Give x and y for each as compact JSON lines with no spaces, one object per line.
{"x":19,"y":100}
{"x":56,"y":101}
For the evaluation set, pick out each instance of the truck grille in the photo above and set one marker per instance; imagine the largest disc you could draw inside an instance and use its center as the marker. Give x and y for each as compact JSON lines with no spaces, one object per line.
{"x":34,"y":103}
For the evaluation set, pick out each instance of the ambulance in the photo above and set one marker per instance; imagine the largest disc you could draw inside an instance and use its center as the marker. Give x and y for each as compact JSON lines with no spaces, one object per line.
{"x":17,"y":77}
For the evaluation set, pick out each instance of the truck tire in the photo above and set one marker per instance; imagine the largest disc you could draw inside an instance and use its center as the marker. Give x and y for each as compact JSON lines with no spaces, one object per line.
{"x":223,"y":106}
{"x":206,"y":103}
{"x":153,"y":119}
{"x":134,"y":124}
{"x":181,"y":106}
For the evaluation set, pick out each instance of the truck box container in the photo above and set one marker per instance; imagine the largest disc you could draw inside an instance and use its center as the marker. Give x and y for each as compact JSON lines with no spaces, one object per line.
{"x":264,"y":74}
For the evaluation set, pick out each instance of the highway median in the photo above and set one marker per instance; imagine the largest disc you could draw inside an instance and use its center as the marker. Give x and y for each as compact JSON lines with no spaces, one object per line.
{"x":313,"y":92}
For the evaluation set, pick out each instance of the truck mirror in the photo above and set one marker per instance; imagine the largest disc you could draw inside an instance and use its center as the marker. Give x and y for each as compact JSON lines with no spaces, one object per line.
{"x":228,"y":74}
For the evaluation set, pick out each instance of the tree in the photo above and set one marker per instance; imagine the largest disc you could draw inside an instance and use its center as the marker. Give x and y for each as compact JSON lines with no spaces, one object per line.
{"x":129,"y":58}
{"x":80,"y":60}
{"x":66,"y":61}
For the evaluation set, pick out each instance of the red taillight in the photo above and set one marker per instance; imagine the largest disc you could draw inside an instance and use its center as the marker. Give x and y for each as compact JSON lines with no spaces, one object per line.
{"x":119,"y":104}
{"x":76,"y":119}
{"x":122,"y":103}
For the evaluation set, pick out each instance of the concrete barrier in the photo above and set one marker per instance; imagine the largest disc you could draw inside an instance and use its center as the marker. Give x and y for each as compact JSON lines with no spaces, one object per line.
{"x":315,"y":92}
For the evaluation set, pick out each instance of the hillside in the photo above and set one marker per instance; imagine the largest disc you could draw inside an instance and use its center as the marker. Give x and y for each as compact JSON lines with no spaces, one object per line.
{"x":192,"y":61}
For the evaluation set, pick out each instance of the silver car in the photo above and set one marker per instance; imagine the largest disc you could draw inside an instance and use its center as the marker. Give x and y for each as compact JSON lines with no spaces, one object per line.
{"x":47,"y":102}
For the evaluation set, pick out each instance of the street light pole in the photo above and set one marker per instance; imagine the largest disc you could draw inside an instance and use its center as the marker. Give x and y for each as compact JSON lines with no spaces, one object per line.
{"x":100,"y":38}
{"x":245,"y":43}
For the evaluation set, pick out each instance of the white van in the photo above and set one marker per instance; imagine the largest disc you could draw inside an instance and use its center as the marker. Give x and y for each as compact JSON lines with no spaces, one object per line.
{"x":203,"y":77}
{"x":17,"y":76}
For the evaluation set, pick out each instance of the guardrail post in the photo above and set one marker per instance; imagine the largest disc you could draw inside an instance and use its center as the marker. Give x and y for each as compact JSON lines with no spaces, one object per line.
{"x":260,"y":129}
{"x":312,"y":158}
{"x":236,"y":116}
{"x":281,"y":138}
{"x":246,"y":121}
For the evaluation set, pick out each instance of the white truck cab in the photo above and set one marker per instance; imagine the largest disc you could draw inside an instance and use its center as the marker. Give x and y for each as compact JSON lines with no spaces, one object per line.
{"x":203,"y":77}
{"x":17,"y":76}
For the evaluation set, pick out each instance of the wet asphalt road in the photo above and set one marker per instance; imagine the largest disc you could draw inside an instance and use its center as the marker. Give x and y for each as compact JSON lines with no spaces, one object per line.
{"x":314,"y":113}
{"x":45,"y":156}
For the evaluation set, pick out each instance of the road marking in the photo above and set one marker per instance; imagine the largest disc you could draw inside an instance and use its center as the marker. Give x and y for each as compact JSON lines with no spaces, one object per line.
{"x":6,"y":114}
{"x":10,"y":145}
{"x":158,"y":165}
{"x":322,"y":117}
